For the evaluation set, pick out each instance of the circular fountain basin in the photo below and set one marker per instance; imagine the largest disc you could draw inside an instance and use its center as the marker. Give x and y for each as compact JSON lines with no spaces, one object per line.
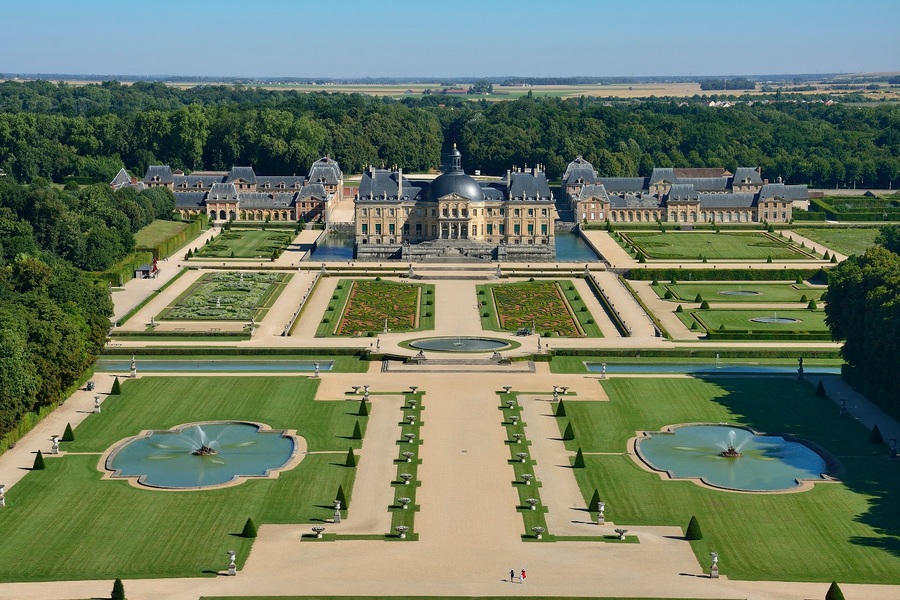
{"x":768,"y":462}
{"x":739,"y":293}
{"x":460,"y":344}
{"x":173,"y":459}
{"x":776,"y":320}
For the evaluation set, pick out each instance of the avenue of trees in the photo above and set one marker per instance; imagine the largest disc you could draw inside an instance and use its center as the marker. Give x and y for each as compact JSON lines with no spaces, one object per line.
{"x":58,"y":131}
{"x":863,"y":308}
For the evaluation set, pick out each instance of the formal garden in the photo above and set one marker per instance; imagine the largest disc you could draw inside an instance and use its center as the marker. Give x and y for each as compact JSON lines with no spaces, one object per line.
{"x":845,"y":530}
{"x":847,"y":240}
{"x":64,"y":522}
{"x":738,"y":291}
{"x":368,"y":306}
{"x":546,"y":307}
{"x":768,"y":323}
{"x":228,"y":296}
{"x":245,"y":243}
{"x":720,"y":245}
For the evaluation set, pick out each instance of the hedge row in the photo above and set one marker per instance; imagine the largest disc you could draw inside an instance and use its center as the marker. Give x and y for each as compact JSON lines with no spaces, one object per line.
{"x":163,"y":334}
{"x":803,"y":215}
{"x":868,"y":210}
{"x":797,"y":336}
{"x":607,"y":307}
{"x":167,"y":247}
{"x":819,"y":275}
{"x":220,"y":351}
{"x":124,"y":270}
{"x":699,"y":353}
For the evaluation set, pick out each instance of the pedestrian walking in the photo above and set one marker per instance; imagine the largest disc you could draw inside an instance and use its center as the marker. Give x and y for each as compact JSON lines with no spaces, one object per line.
{"x":512,"y":575}
{"x":522,"y":577}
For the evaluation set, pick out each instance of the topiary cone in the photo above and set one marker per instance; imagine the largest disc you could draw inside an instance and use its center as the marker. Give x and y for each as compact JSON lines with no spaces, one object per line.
{"x":39,"y":462}
{"x":118,"y":591}
{"x":68,"y":435}
{"x":820,"y":390}
{"x":560,"y":409}
{"x":341,"y":497}
{"x":249,"y":529}
{"x":363,"y":409}
{"x":594,"y":504}
{"x":357,"y":431}
{"x":579,"y":460}
{"x":351,"y":458}
{"x":875,"y":438}
{"x":834,"y":592}
{"x":693,"y":530}
{"x":569,"y":433}
{"x":116,"y":388}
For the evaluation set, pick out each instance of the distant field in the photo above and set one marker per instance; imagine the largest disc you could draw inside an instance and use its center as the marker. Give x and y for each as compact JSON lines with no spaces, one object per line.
{"x":158,"y":232}
{"x":845,"y":241}
{"x":685,"y":246}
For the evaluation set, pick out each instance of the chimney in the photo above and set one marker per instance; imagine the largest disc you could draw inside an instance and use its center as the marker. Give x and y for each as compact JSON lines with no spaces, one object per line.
{"x":400,"y":182}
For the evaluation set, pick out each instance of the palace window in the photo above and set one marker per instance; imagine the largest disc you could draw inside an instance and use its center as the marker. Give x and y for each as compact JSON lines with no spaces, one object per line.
{"x":377,"y":228}
{"x":543,"y":229}
{"x":531,"y":229}
{"x":516,"y":229}
{"x":391,"y":228}
{"x":365,"y":228}
{"x":530,"y":212}
{"x":502,"y":229}
{"x":490,"y":228}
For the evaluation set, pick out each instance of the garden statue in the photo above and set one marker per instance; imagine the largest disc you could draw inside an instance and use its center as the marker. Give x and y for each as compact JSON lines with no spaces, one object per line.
{"x":232,"y":567}
{"x":714,"y":568}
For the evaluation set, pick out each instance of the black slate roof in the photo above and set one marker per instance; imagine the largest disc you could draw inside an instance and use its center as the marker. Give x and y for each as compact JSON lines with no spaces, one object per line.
{"x":189,"y":199}
{"x":528,"y":186}
{"x":159,"y":174}
{"x":788,"y":192}
{"x":245,"y":173}
{"x":312,"y":190}
{"x":221,"y":192}
{"x":624,"y":184}
{"x":579,"y":169}
{"x":746,"y":175}
{"x":325,"y":170}
{"x":735,"y":200}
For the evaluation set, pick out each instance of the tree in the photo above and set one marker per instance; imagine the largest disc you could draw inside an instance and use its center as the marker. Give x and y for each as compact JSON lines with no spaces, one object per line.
{"x":693,"y":530}
{"x":249,"y":530}
{"x":118,"y":590}
{"x":38,"y":462}
{"x":68,"y":435}
{"x":834,"y":592}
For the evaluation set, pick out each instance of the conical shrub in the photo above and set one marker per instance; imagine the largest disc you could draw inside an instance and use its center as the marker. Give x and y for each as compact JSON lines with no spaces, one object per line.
{"x":812,"y":305}
{"x":357,"y":431}
{"x":579,"y":460}
{"x":560,"y":409}
{"x":698,"y":298}
{"x":118,"y":591}
{"x":569,"y":433}
{"x":594,"y":504}
{"x":820,"y":390}
{"x":704,"y":305}
{"x":875,"y":438}
{"x":679,"y":309}
{"x":363,"y":409}
{"x":116,"y":388}
{"x":68,"y":435}
{"x":39,"y":462}
{"x":351,"y":458}
{"x":834,"y":592}
{"x":249,"y":529}
{"x":341,"y":497}
{"x":693,"y":530}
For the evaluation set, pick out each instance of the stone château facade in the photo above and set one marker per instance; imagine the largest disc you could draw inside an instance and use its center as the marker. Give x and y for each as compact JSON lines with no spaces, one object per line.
{"x":454,"y":215}
{"x":242,"y":195}
{"x":678,"y":196}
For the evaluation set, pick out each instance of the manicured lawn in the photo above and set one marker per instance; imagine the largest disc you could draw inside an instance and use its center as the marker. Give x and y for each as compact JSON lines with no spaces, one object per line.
{"x":848,"y":531}
{"x":549,"y":306}
{"x":158,"y":232}
{"x":739,"y":319}
{"x":234,"y":296}
{"x":685,"y":291}
{"x":359,"y":306}
{"x":713,"y":246}
{"x":845,"y":241}
{"x":246,"y":243}
{"x":106,"y":529}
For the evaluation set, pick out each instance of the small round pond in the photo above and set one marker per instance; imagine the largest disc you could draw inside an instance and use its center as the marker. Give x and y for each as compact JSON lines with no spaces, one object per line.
{"x":777,"y":320}
{"x":767,"y":462}
{"x":460,"y":344}
{"x":201,"y":455}
{"x":739,"y":293}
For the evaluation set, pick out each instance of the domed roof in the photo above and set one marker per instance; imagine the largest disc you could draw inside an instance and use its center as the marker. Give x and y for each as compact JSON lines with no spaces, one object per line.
{"x":455,"y":182}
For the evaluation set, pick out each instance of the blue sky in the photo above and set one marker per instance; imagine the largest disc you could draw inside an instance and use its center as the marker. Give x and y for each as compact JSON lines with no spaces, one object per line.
{"x":396,"y":38}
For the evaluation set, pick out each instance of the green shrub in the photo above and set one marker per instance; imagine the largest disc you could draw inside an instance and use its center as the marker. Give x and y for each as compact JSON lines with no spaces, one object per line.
{"x":39,"y":462}
{"x":693,"y":532}
{"x":827,"y":256}
{"x":249,"y":529}
{"x":579,"y":460}
{"x":798,"y":280}
{"x":834,"y":592}
{"x":642,"y":260}
{"x":594,"y":504}
{"x":428,"y":313}
{"x":68,"y":435}
{"x":803,"y":298}
{"x":812,"y":305}
{"x":118,"y":591}
{"x":569,"y":433}
{"x":363,"y":409}
{"x":351,"y":459}
{"x":590,"y":321}
{"x":326,"y":320}
{"x":874,"y":438}
{"x":560,"y":409}
{"x":668,"y":295}
{"x":693,"y":325}
{"x":769,"y":259}
{"x":330,"y":307}
{"x":704,"y":305}
{"x":655,"y":281}
{"x":481,"y":292}
{"x":378,"y":279}
{"x":334,"y":297}
{"x":341,"y":497}
{"x":357,"y":432}
{"x":116,"y":388}
{"x":485,"y":314}
{"x":833,"y":259}
{"x":583,"y":309}
{"x":820,"y":390}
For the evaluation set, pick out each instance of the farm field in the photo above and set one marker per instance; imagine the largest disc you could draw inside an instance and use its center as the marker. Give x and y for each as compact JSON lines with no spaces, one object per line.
{"x":361,"y":306}
{"x":551,"y":307}
{"x":713,"y":246}
{"x":232,"y":296}
{"x":844,"y":531}
{"x":747,"y":291}
{"x":846,"y":241}
{"x":129,"y":532}
{"x":246,"y":243}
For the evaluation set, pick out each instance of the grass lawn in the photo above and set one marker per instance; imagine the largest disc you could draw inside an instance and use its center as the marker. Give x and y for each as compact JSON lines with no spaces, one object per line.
{"x":847,"y":531}
{"x":106,"y":529}
{"x":341,"y":364}
{"x":158,"y":232}
{"x":552,"y":307}
{"x":714,"y":246}
{"x":685,"y":291}
{"x":845,"y":241}
{"x":360,"y":306}
{"x":246,"y":243}
{"x":234,"y":296}
{"x":812,"y":321}
{"x":576,"y":364}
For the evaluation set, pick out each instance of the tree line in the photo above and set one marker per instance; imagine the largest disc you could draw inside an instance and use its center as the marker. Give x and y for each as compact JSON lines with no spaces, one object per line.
{"x":863,"y":308}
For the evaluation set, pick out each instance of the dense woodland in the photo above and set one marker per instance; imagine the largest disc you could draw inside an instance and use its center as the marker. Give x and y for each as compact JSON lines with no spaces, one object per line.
{"x":863,"y":308}
{"x":58,"y":131}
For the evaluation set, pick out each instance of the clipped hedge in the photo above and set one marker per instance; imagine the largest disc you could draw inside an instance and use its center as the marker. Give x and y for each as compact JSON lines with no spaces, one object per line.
{"x":699,"y":352}
{"x":124,"y":270}
{"x":217,"y":351}
{"x":167,"y":247}
{"x":727,"y":274}
{"x":607,"y":307}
